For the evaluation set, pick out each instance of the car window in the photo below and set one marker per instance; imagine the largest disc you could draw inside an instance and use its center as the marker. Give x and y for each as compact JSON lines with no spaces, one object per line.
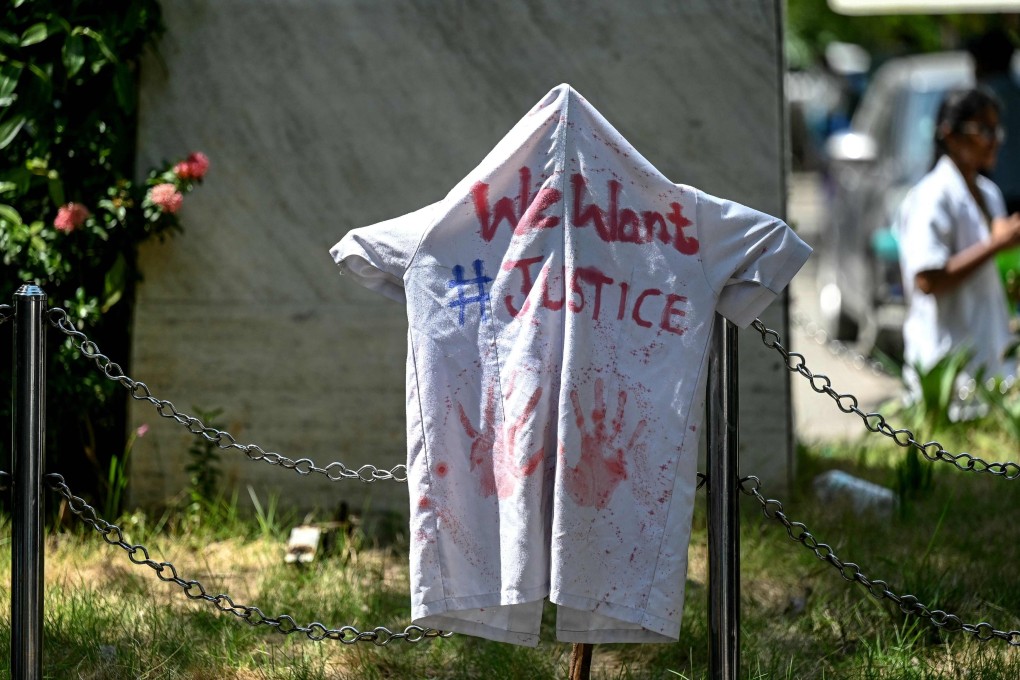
{"x":886,"y":129}
{"x":873,"y":113}
{"x":917,"y":140}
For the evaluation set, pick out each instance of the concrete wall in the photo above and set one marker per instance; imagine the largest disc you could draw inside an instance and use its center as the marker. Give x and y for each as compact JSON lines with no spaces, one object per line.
{"x":323,"y":115}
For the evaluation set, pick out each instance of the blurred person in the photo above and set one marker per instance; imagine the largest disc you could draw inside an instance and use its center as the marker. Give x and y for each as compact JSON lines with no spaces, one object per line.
{"x":992,"y":53}
{"x":950,"y":228}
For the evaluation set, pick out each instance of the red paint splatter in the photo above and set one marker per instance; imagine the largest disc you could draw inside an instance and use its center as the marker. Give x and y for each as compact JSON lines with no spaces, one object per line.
{"x":494,"y":451}
{"x":451,"y":526}
{"x":424,"y":503}
{"x":646,"y":353}
{"x":442,"y":469}
{"x":602,"y":466}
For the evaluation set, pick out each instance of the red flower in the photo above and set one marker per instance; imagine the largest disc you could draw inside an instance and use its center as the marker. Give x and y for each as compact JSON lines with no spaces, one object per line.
{"x":193,"y":167}
{"x":70,"y":217}
{"x":166,"y":197}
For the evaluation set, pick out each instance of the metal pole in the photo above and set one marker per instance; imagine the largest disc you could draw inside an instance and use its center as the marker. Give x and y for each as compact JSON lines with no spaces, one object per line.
{"x":27,"y":558}
{"x":723,"y":520}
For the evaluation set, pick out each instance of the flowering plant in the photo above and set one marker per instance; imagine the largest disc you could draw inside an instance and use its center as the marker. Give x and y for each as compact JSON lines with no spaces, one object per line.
{"x":98,"y":234}
{"x":72,"y":213}
{"x":83,"y":253}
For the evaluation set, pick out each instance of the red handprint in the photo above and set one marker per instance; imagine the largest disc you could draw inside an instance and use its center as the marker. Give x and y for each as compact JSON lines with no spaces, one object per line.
{"x":602,"y":465}
{"x":494,"y":449}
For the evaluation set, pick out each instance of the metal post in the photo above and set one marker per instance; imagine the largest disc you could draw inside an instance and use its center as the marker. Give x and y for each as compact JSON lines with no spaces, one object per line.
{"x":27,"y":557}
{"x":723,"y":520}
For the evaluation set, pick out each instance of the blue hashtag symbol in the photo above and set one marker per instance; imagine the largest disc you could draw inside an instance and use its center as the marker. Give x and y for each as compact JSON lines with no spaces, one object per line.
{"x":459,"y":282}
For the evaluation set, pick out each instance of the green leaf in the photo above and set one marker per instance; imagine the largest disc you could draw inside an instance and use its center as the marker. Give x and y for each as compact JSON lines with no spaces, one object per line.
{"x":114,"y":283}
{"x":39,"y":71}
{"x":19,"y":3}
{"x":37,"y":166}
{"x":7,"y":186}
{"x":9,"y":129}
{"x":98,"y":37}
{"x":9,"y":214}
{"x":74,"y":55}
{"x":60,"y":22}
{"x":9,"y":75}
{"x":8,"y":38}
{"x":35,"y":34}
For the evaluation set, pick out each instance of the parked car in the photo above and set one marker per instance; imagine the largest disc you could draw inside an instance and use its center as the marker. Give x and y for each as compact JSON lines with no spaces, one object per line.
{"x":887,"y":149}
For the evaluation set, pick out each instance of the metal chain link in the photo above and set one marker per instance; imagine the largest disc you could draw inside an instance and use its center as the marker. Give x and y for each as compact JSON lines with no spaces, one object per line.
{"x":253,"y":616}
{"x":224,"y":440}
{"x":303,"y":466}
{"x":6,"y":313}
{"x":877,"y":588}
{"x":876,"y":422}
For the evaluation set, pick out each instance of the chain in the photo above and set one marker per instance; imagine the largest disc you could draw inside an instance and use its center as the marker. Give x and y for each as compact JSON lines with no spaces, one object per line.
{"x":224,"y":440}
{"x":876,"y":422}
{"x":303,"y":466}
{"x":877,"y":588}
{"x":6,"y":313}
{"x":253,"y":616}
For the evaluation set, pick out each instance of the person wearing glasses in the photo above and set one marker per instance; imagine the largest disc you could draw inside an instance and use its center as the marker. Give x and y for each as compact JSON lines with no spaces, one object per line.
{"x":951,"y":226}
{"x":992,"y":57}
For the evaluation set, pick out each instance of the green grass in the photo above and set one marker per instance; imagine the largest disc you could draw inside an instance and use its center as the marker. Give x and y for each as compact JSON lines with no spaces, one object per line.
{"x":953,"y":547}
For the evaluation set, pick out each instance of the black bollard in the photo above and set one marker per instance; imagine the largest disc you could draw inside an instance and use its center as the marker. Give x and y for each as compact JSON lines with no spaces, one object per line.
{"x":723,"y":520}
{"x":27,"y":557}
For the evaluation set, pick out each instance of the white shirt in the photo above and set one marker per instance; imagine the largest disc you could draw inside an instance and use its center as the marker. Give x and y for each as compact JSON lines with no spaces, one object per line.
{"x":560,"y":303}
{"x":938,"y":218}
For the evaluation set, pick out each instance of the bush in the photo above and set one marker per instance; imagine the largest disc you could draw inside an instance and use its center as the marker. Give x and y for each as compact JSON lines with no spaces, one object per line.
{"x":71,"y":214}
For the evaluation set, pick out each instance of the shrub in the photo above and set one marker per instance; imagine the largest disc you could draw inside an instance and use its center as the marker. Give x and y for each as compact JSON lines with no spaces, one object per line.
{"x":71,"y":213}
